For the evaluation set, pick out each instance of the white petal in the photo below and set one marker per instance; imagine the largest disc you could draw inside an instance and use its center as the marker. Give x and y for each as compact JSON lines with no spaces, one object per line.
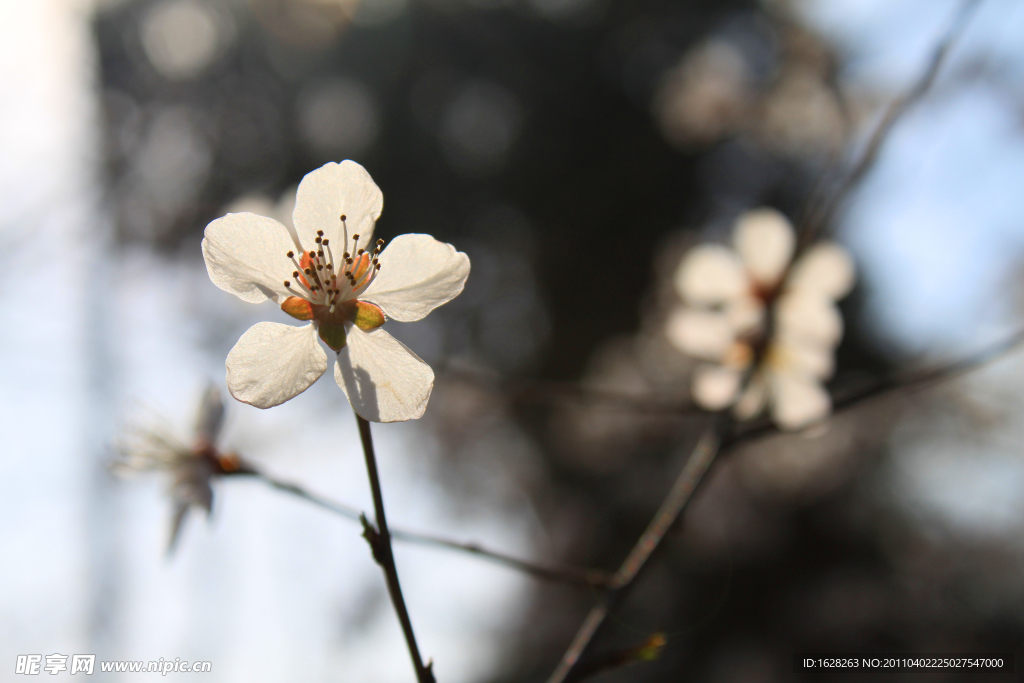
{"x":745,"y":314}
{"x":272,"y":363}
{"x":383,"y":379}
{"x":805,"y":316}
{"x":246,"y":255}
{"x":798,"y":401}
{"x":701,"y":334}
{"x":825,"y":270}
{"x":417,"y":274}
{"x":332,"y":191}
{"x":711,"y":274}
{"x":716,"y":387}
{"x":765,"y":241}
{"x":802,"y":357}
{"x":754,"y":398}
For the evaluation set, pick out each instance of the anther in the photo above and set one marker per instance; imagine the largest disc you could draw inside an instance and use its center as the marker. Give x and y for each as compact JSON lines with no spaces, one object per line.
{"x":287,"y":284}
{"x":307,"y":271}
{"x":342,"y":216}
{"x":326,"y":241}
{"x":290,"y":254}
{"x":319,"y":240}
{"x":295,"y":273}
{"x":312,"y":254}
{"x":320,"y":233}
{"x":360,"y":252}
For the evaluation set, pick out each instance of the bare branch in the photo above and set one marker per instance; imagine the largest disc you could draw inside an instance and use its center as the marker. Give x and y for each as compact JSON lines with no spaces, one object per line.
{"x":546,"y":391}
{"x":905,"y":382}
{"x":379,"y":539}
{"x":820,"y":213}
{"x":582,"y":576}
{"x":679,"y":495}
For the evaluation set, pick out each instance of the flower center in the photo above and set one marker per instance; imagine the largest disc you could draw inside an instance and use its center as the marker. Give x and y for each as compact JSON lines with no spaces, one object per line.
{"x":326,"y":289}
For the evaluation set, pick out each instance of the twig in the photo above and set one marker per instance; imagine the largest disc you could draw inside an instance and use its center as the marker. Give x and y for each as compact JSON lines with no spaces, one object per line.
{"x":913,"y":381}
{"x":704,"y":454}
{"x":820,"y":213}
{"x":542,"y":391}
{"x":379,"y":539}
{"x":646,"y":651}
{"x":582,"y":576}
{"x":680,"y":494}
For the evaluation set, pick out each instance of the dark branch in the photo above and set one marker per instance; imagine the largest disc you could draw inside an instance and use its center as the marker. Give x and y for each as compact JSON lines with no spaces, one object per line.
{"x":820,"y":214}
{"x":904,"y":382}
{"x":379,"y":539}
{"x":679,"y":495}
{"x":582,"y":576}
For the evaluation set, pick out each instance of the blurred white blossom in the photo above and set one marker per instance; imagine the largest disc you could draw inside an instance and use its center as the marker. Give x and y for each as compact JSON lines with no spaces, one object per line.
{"x":324,"y":271}
{"x":767,"y":328}
{"x":706,"y":95}
{"x":191,"y":466}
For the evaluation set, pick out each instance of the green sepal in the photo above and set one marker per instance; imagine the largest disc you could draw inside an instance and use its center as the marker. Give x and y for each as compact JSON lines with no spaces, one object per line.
{"x":332,"y":335}
{"x":367,"y":316}
{"x":298,"y":308}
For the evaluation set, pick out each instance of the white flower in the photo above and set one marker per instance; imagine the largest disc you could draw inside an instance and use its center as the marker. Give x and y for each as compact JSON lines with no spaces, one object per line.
{"x":192,"y":467}
{"x":327,"y":271}
{"x":731,"y":296}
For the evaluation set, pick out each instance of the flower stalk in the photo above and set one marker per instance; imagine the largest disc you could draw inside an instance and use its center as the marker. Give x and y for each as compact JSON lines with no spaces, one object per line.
{"x":379,"y":538}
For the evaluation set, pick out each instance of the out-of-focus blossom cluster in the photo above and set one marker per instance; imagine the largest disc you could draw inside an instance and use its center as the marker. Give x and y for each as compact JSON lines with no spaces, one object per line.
{"x":767,"y":328}
{"x":717,"y":89}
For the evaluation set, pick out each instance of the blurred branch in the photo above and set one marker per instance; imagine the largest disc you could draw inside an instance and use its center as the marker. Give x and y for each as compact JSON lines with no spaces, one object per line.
{"x":678,"y":496}
{"x":544,"y":391}
{"x":646,"y":651}
{"x":582,"y":576}
{"x":907,"y":382}
{"x":820,"y":213}
{"x":704,"y":454}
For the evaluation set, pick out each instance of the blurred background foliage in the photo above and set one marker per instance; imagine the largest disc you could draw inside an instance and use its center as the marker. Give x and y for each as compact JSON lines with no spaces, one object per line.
{"x":574,"y":149}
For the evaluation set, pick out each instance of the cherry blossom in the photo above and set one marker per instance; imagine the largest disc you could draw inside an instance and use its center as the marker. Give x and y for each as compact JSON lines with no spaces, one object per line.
{"x":328,"y":271}
{"x":767,"y":328}
{"x":192,"y":466}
